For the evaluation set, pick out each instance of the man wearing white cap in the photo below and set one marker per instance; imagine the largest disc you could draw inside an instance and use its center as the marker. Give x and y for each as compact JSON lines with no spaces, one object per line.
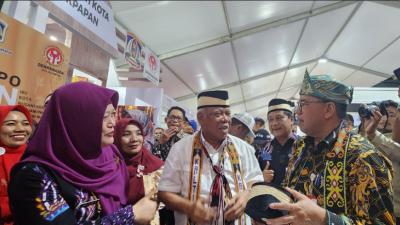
{"x":242,"y":125}
{"x":207,"y":175}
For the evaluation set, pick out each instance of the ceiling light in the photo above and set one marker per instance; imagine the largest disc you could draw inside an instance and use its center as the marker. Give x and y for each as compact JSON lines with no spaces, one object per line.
{"x":163,"y":2}
{"x":53,"y":38}
{"x":322,"y":60}
{"x":199,"y":75}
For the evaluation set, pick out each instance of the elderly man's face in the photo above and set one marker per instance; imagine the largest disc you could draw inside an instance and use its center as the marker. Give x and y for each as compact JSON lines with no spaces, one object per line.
{"x":215,"y":121}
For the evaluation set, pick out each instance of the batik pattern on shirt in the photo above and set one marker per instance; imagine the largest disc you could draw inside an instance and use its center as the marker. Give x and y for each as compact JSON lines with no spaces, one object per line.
{"x":162,"y":150}
{"x":43,"y":203}
{"x":346,"y":175}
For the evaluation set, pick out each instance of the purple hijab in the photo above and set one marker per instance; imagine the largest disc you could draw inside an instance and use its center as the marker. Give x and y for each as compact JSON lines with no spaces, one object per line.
{"x":68,"y":140}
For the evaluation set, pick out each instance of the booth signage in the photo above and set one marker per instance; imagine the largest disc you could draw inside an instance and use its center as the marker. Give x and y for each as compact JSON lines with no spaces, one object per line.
{"x":97,"y":16}
{"x":151,"y":66}
{"x":31,"y":65}
{"x":141,"y":59}
{"x":134,"y":54}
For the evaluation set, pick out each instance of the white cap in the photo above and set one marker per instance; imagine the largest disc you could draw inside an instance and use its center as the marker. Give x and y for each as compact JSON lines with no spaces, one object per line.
{"x":247,"y":120}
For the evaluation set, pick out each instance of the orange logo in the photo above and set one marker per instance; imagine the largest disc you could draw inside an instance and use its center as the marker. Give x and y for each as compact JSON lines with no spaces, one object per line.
{"x":53,"y":55}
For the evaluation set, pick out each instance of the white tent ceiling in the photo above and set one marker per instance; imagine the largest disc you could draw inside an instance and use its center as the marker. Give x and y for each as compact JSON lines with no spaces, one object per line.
{"x":258,"y":50}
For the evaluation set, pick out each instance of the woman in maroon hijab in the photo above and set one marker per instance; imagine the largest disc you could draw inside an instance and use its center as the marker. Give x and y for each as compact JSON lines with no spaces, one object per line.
{"x":129,"y":139}
{"x":15,"y":129}
{"x":72,"y":173}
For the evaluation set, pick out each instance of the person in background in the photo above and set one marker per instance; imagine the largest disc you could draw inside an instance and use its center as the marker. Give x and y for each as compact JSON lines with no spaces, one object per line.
{"x":391,"y":109}
{"x":145,"y":121}
{"x":157,"y":134}
{"x":186,"y":127}
{"x":72,"y":173}
{"x":193,"y":123}
{"x":349,"y":121}
{"x":275,"y":155}
{"x":391,"y":149}
{"x":16,"y":127}
{"x":207,"y":175}
{"x":385,"y":124}
{"x":334,"y":175}
{"x":174,"y":133}
{"x":128,"y":137}
{"x":260,"y":124}
{"x":260,"y":142}
{"x":396,"y":125}
{"x":242,"y":125}
{"x":396,"y":128}
{"x":249,"y":139}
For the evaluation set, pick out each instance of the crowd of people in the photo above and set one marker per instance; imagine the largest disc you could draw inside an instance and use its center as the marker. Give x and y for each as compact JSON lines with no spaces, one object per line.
{"x":83,"y":166}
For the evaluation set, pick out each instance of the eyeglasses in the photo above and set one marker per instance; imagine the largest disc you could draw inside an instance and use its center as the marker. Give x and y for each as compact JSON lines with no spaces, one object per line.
{"x":177,"y":118}
{"x":301,"y":104}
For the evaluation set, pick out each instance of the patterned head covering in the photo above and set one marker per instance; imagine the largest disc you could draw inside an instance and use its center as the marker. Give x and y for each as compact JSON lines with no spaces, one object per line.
{"x":324,"y":87}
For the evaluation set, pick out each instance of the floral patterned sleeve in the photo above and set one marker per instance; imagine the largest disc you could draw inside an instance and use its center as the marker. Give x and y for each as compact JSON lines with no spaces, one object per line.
{"x":35,"y":198}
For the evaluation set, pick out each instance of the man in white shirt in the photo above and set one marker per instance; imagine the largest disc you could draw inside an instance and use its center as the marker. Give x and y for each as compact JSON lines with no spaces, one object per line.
{"x":207,"y":175}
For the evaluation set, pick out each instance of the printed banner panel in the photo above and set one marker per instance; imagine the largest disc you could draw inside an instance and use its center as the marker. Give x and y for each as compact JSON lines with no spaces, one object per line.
{"x":31,"y":65}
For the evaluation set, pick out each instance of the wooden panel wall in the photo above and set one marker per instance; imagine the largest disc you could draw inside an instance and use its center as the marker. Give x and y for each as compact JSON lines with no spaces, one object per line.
{"x":88,"y":58}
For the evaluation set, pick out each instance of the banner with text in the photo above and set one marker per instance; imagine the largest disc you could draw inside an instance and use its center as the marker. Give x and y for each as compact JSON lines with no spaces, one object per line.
{"x":31,"y":66}
{"x":97,"y":16}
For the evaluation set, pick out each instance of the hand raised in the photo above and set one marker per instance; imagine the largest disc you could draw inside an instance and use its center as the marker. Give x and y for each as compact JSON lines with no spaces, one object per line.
{"x":268,"y":174}
{"x":168,"y":133}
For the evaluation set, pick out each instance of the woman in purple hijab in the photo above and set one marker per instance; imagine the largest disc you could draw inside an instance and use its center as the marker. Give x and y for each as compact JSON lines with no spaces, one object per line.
{"x":72,"y":173}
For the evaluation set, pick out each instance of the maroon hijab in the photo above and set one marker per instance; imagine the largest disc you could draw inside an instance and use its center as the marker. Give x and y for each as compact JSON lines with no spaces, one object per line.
{"x":150,"y":162}
{"x":68,"y":140}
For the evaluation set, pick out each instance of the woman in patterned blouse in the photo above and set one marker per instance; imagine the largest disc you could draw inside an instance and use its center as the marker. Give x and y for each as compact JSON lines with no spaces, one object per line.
{"x":71,"y":173}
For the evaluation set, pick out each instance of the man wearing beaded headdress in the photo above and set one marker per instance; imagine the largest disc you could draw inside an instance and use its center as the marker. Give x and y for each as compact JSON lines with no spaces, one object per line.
{"x":207,"y":175}
{"x":341,"y":172}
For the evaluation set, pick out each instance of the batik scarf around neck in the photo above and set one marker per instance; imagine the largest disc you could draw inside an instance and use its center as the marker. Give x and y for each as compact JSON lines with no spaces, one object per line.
{"x":10,"y":157}
{"x":68,"y":141}
{"x":144,"y":159}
